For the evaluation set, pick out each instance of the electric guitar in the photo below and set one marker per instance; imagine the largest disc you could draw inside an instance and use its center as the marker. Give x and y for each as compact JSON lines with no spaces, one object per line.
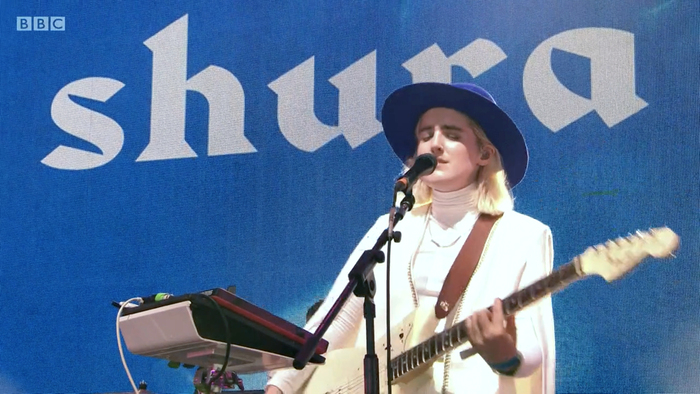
{"x":415,"y":346}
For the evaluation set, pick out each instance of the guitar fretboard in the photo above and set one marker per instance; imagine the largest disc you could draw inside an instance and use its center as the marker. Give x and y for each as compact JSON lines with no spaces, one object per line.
{"x":451,"y":338}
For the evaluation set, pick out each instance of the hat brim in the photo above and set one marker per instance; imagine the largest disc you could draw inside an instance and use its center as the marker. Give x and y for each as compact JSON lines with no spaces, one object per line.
{"x":404,"y":107}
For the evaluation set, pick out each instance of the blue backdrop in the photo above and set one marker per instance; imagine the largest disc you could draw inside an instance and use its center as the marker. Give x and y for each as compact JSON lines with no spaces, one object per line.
{"x":179,"y":146}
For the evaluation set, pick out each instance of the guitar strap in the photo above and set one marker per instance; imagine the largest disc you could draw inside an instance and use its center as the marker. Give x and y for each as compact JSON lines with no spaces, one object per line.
{"x":463,"y":268}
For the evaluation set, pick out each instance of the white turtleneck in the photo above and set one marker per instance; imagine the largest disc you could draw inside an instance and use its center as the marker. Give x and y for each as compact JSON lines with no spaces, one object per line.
{"x":452,"y":217}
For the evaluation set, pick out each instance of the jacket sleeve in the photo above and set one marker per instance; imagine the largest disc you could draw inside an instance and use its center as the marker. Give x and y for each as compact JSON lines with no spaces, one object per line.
{"x":535,"y":324}
{"x":343,"y":330}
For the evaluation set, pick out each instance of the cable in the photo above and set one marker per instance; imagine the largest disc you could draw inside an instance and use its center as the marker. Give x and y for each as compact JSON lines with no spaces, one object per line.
{"x":140,"y":301}
{"x":228,"y":338}
{"x":388,"y":311}
{"x":119,"y":340}
{"x":388,"y":320}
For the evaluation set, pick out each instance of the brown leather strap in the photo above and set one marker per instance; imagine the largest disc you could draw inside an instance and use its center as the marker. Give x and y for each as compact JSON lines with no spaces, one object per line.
{"x":463,"y":268}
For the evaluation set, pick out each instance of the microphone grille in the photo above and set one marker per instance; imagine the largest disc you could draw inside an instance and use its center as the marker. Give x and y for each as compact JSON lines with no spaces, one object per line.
{"x":426,"y":161}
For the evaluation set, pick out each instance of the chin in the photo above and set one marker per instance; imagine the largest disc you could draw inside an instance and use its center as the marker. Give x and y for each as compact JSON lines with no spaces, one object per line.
{"x":445,"y":185}
{"x":435,"y":185}
{"x":431,"y":182}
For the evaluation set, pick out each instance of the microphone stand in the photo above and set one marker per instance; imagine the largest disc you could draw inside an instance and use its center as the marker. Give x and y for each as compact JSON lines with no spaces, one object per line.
{"x":362,"y":284}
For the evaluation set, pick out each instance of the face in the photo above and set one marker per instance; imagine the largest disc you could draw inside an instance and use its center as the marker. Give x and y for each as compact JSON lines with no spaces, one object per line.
{"x":449,"y":135}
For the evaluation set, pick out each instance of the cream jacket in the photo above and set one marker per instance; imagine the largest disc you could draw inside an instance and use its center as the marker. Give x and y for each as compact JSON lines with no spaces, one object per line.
{"x":518,"y":253}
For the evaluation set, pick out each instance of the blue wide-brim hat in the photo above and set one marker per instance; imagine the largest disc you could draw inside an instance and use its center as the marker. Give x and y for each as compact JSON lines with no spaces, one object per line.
{"x":404,"y":107}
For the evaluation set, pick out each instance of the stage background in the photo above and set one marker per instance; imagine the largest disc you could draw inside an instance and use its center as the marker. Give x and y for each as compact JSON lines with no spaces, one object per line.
{"x":184,"y":145}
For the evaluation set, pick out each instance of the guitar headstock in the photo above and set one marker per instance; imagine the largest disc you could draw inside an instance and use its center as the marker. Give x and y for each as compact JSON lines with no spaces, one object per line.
{"x":617,"y":257}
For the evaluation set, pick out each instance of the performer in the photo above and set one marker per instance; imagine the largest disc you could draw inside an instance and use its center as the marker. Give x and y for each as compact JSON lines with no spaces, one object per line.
{"x":480,"y":155}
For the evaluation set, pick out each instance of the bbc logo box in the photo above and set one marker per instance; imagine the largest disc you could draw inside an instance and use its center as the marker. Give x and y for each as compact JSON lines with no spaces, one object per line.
{"x":41,"y":23}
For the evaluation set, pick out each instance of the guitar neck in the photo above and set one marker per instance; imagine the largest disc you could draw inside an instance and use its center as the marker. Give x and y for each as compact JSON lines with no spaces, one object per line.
{"x":557,"y":280}
{"x":441,"y":343}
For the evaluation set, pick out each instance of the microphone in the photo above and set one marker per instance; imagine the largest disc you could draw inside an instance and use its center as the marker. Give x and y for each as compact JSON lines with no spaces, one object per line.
{"x":424,"y":165}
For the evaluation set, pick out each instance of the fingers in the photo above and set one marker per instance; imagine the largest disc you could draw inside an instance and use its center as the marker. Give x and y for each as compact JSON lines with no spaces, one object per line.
{"x":497,"y":310}
{"x":473,"y":332}
{"x":508,"y":322}
{"x":480,"y":327}
{"x":492,"y":335}
{"x":491,"y":320}
{"x":486,"y":324}
{"x":510,"y":328}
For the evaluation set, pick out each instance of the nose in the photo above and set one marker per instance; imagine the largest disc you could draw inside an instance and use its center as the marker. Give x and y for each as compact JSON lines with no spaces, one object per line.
{"x":437,"y":142}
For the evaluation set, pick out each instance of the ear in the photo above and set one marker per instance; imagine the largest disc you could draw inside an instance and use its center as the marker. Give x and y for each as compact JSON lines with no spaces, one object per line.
{"x":487,"y":152}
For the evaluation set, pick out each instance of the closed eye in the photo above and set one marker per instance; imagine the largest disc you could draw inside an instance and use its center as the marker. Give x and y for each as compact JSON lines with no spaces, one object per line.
{"x":452,"y":132}
{"x":425,"y":134}
{"x":449,"y":131}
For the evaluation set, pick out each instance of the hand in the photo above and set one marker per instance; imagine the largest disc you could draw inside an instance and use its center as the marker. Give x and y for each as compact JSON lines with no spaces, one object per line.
{"x":272,"y":390}
{"x":492,"y":335}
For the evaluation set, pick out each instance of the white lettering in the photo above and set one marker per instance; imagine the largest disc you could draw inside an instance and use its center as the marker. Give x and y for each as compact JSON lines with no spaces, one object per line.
{"x":613,"y":94}
{"x":356,"y":110}
{"x":221,"y":89}
{"x":84,"y":123}
{"x":357,"y":99}
{"x":431,"y":64}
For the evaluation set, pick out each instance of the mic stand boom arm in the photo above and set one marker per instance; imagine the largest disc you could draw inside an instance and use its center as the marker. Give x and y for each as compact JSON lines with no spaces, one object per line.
{"x":362,"y":284}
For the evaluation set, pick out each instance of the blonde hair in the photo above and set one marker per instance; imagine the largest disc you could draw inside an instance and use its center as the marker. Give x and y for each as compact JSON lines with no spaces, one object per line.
{"x":493,"y":193}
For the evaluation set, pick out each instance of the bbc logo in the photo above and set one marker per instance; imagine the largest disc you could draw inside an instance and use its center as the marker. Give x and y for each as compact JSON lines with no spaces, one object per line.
{"x":41,"y":23}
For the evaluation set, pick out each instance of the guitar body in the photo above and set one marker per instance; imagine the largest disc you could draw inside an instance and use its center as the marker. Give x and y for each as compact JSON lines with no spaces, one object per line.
{"x":343,"y":371}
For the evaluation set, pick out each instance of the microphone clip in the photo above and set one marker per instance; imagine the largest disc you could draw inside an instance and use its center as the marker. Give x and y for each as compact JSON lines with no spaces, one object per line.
{"x":406,"y":205}
{"x":395,"y":215}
